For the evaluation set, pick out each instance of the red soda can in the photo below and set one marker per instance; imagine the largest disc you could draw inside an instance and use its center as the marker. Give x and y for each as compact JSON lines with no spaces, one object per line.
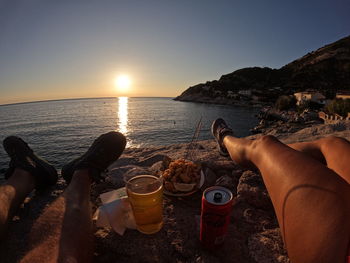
{"x":217,"y":204}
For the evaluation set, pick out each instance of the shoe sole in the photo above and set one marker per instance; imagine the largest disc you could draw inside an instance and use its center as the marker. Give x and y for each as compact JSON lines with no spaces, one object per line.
{"x":221,"y":152}
{"x":47,"y":169}
{"x":112,"y":138}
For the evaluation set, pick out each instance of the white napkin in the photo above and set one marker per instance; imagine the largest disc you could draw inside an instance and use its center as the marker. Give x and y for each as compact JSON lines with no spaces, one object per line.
{"x":115,"y":212}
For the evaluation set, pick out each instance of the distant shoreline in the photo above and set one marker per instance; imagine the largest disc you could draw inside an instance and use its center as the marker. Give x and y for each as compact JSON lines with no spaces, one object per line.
{"x":225,"y":102}
{"x":93,"y":98}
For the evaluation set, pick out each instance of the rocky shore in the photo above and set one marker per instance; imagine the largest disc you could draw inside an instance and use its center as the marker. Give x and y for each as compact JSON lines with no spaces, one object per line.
{"x":254,"y":235}
{"x":272,"y":121}
{"x":198,"y":98}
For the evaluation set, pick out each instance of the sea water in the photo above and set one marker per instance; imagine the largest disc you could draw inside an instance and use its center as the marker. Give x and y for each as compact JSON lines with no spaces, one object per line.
{"x":62,"y":130}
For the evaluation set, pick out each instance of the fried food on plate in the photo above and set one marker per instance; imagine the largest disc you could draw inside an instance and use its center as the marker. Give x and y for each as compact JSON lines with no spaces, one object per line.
{"x":181,"y":175}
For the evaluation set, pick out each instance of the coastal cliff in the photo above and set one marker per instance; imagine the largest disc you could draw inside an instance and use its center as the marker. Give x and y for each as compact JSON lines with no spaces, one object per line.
{"x":327,"y":70}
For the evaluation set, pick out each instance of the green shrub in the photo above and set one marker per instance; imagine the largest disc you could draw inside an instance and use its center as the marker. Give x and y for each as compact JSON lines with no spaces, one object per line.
{"x":308,"y":104}
{"x":339,"y":106}
{"x":285,"y":102}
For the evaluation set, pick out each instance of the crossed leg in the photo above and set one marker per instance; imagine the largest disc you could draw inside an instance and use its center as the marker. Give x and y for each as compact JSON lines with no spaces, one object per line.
{"x":331,"y":151}
{"x":311,"y":200}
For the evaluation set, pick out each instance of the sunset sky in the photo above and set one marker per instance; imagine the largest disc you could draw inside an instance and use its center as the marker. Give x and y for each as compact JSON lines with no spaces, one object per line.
{"x":54,"y":49}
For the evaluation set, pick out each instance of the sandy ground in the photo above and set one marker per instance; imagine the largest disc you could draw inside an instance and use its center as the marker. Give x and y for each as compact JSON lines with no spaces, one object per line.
{"x":253,"y":233}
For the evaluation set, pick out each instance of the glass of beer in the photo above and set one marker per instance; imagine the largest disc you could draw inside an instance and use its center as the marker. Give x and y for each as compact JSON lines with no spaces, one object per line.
{"x":145,"y":194}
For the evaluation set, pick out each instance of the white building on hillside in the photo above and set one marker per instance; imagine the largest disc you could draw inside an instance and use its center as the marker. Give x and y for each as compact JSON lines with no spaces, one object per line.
{"x":343,"y":95}
{"x":230,"y":94}
{"x":246,"y":92}
{"x":313,"y":96}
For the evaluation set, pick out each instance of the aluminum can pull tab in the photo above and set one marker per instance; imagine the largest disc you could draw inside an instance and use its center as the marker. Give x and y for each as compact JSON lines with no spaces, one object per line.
{"x":217,"y":197}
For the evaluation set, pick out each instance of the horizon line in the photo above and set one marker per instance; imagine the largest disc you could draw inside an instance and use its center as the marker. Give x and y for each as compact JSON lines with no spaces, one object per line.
{"x":88,"y":98}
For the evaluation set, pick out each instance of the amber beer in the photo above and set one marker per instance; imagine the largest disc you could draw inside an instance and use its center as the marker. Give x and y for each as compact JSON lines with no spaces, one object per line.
{"x":145,"y":194}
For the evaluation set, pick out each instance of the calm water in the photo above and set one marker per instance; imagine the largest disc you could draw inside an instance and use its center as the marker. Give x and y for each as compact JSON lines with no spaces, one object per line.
{"x":61,"y":130}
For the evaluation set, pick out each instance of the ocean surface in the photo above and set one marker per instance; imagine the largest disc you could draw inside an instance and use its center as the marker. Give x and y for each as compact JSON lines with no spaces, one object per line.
{"x":62,"y":130}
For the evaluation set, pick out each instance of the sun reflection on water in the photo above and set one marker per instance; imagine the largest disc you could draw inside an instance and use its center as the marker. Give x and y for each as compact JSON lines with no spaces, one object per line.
{"x":123,"y":115}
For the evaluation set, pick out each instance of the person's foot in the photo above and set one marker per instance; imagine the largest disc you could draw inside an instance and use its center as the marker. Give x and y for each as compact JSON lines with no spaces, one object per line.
{"x":219,"y":130}
{"x":23,"y":157}
{"x":104,"y":151}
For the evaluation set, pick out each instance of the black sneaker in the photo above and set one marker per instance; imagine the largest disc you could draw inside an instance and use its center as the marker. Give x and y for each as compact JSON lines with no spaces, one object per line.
{"x":105,"y":150}
{"x":22,"y":156}
{"x":219,"y":130}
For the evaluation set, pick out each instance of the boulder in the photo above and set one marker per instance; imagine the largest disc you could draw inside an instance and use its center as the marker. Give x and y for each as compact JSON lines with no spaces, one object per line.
{"x":252,"y":190}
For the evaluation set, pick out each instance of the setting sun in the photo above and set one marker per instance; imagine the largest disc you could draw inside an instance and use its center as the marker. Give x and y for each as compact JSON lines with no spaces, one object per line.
{"x":122,"y":83}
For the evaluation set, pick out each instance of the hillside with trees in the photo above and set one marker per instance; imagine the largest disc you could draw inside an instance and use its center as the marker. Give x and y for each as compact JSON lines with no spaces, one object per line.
{"x":326,"y":70}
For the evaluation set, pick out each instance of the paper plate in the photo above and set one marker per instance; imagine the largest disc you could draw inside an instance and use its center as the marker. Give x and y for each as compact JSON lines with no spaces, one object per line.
{"x":201,"y":182}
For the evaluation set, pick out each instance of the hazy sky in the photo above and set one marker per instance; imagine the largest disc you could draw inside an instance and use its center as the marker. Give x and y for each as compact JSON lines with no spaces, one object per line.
{"x":52,"y":49}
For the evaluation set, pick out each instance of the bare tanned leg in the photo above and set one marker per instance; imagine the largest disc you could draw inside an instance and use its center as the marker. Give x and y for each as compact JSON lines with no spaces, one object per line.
{"x":12,"y":195}
{"x":311,"y":201}
{"x":332,"y":151}
{"x":63,"y":233}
